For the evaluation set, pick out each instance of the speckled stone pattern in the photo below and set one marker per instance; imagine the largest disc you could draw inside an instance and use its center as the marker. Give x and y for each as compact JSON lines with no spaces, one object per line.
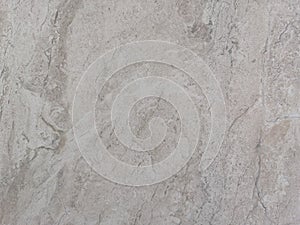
{"x":149,"y":112}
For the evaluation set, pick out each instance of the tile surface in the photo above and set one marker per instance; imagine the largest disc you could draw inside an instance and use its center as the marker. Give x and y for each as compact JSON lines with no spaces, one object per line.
{"x":240,"y":54}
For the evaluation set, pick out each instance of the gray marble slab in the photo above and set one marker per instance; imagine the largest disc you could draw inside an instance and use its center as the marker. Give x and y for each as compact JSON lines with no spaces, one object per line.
{"x":149,"y":112}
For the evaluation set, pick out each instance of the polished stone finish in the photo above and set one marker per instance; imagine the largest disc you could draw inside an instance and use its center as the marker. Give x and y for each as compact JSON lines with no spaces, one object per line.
{"x":149,"y":112}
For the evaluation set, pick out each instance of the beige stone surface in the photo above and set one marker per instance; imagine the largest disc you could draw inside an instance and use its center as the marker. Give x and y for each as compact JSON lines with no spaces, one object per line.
{"x":220,"y":79}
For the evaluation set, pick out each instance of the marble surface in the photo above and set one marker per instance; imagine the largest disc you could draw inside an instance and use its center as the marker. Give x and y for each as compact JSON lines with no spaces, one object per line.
{"x":149,"y":112}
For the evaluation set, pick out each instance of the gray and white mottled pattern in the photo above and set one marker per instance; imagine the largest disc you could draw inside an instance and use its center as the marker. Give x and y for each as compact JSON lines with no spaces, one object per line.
{"x":252,"y":47}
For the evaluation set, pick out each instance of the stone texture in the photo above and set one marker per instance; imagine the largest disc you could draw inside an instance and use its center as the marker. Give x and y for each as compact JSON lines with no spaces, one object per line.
{"x":252,"y":48}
